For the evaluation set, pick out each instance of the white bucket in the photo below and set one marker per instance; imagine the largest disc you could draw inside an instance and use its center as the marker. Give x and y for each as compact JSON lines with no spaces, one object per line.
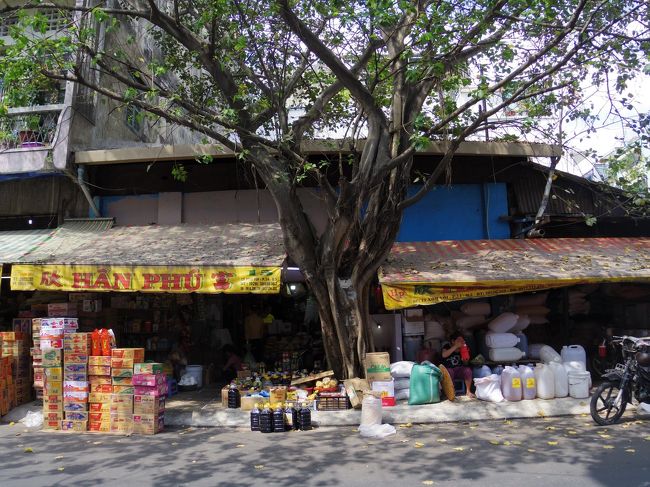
{"x":195,"y":371}
{"x":579,"y":384}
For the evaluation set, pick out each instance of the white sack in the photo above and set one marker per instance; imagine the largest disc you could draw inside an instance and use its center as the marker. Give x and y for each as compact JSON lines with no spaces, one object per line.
{"x":377,"y":430}
{"x":401,"y":369}
{"x":503,"y":323}
{"x":489,"y":388}
{"x":476,"y":309}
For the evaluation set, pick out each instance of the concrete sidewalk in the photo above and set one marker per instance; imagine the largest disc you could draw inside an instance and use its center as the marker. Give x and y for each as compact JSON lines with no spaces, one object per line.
{"x":463,"y":409}
{"x":212,"y":414}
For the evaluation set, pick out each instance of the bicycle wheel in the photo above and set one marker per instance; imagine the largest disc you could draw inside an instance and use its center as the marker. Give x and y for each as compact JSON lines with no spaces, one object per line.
{"x":604,"y":407}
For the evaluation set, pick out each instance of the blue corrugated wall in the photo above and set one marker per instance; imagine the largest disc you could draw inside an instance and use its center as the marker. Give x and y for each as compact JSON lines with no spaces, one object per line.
{"x":457,"y":212}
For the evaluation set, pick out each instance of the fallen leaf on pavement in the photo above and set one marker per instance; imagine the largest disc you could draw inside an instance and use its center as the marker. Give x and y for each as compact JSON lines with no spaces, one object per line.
{"x":584,"y":415}
{"x":507,"y":443}
{"x":507,"y":421}
{"x":407,"y":425}
{"x":541,"y":414}
{"x":647,"y":438}
{"x":441,"y":440}
{"x":459,"y":448}
{"x":259,"y":467}
{"x":404,"y":441}
{"x":418,"y":444}
{"x":572,"y":432}
{"x":12,"y":423}
{"x":427,"y":482}
{"x":605,"y":436}
{"x":550,"y":428}
{"x":552,"y":443}
{"x":494,"y":442}
{"x":516,"y":442}
{"x":61,"y":469}
{"x":240,"y":446}
{"x":97,"y":442}
{"x":28,"y":450}
{"x":631,"y":450}
{"x":60,"y":457}
{"x":531,"y":450}
{"x":608,"y":447}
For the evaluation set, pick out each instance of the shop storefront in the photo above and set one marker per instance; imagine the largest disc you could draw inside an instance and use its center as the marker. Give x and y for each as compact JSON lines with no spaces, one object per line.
{"x":561,"y":293}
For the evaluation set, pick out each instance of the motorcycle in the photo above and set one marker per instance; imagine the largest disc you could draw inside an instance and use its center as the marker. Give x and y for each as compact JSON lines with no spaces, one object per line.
{"x":629,"y":380}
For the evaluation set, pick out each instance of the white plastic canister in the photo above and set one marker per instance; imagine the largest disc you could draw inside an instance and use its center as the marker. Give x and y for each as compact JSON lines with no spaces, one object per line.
{"x":574,"y":353}
{"x":548,"y":354}
{"x":511,"y":384}
{"x":561,"y":379}
{"x":579,"y":384}
{"x":528,"y":382}
{"x":545,"y":381}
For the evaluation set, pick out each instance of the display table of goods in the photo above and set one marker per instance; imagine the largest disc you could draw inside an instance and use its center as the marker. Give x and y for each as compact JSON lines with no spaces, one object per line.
{"x":318,"y":391}
{"x":94,"y":387}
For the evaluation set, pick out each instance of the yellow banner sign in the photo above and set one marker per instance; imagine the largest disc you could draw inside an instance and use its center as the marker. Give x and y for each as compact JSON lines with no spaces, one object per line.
{"x":155,"y":279}
{"x":398,"y":296}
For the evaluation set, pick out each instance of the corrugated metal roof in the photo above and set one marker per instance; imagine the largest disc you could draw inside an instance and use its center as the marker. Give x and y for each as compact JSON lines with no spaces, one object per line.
{"x":73,"y":234}
{"x":497,"y":261}
{"x":14,"y":244}
{"x":216,"y":245}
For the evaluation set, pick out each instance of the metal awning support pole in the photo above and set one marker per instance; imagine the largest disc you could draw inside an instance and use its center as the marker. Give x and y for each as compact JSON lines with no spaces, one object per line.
{"x":81,"y":180}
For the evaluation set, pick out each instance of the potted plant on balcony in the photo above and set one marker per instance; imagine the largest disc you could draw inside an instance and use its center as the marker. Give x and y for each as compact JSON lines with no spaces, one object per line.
{"x":29,"y":134}
{"x":8,"y":140}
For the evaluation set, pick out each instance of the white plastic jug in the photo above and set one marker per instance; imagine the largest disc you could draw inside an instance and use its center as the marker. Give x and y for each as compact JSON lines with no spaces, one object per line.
{"x":561,"y":379}
{"x":511,"y":384}
{"x":574,"y":353}
{"x":579,"y":384}
{"x":371,"y":410}
{"x":501,"y":340}
{"x":528,"y":382}
{"x":545,"y":381}
{"x":548,"y":354}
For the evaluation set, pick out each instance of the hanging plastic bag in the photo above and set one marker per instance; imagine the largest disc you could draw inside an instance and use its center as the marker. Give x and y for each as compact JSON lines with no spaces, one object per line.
{"x":371,"y":410}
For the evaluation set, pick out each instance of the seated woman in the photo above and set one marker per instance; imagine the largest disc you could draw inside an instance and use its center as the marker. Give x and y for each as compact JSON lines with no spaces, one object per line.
{"x":454,"y":364}
{"x":233,"y":363}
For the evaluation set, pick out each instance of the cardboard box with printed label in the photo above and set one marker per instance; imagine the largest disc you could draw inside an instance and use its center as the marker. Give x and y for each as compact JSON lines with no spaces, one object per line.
{"x":135,"y":354}
{"x":148,"y":424}
{"x":122,"y":363}
{"x":75,"y":407}
{"x":148,"y":368}
{"x":148,"y":404}
{"x":75,"y":358}
{"x":94,"y":397}
{"x":103,"y":427}
{"x":99,"y":407}
{"x":99,"y":370}
{"x":377,"y":366}
{"x":100,"y":379}
{"x":99,"y":361}
{"x":74,"y":425}
{"x":123,"y":390}
{"x":51,"y":357}
{"x":149,"y":380}
{"x":53,"y":373}
{"x":76,"y":416}
{"x":60,"y":310}
{"x":122,"y":372}
{"x":52,"y":425}
{"x":122,"y":381}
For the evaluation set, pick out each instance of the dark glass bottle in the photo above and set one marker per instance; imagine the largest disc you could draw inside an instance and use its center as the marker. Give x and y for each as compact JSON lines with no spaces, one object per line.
{"x":234,"y":398}
{"x":290,"y":418}
{"x":255,"y":418}
{"x":266,"y":420}
{"x":305,"y":418}
{"x":278,"y":419}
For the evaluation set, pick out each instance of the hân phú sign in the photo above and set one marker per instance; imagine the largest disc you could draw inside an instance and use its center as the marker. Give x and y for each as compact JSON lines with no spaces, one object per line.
{"x":181,"y":279}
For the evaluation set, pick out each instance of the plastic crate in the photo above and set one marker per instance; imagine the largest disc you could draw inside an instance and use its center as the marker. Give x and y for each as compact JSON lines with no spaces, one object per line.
{"x":333,"y":402}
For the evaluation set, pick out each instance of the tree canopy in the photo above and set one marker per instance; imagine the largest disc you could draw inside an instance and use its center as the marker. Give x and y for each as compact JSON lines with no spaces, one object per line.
{"x":381,"y":77}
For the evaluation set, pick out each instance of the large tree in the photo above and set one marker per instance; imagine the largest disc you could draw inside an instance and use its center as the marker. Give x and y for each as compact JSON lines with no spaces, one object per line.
{"x":261,"y":77}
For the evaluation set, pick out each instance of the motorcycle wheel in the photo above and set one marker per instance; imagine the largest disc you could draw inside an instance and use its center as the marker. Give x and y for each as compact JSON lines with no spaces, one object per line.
{"x":602,"y":407}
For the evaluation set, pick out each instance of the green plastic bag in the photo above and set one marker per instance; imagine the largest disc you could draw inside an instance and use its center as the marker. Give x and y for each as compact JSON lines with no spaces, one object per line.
{"x":424,"y":385}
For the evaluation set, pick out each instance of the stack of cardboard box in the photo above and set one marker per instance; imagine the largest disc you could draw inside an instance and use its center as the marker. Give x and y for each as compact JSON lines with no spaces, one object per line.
{"x":99,"y":408}
{"x":5,"y":375}
{"x":150,"y":387}
{"x":76,"y":348}
{"x":122,"y":362}
{"x":37,"y":360}
{"x":52,"y":359}
{"x":15,"y":346}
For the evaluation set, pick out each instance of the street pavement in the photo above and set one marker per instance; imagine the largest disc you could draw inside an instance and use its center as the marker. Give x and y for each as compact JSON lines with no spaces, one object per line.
{"x":545,"y":452}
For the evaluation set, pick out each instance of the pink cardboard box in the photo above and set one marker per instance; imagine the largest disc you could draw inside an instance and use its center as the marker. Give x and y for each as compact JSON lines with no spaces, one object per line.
{"x":150,"y":380}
